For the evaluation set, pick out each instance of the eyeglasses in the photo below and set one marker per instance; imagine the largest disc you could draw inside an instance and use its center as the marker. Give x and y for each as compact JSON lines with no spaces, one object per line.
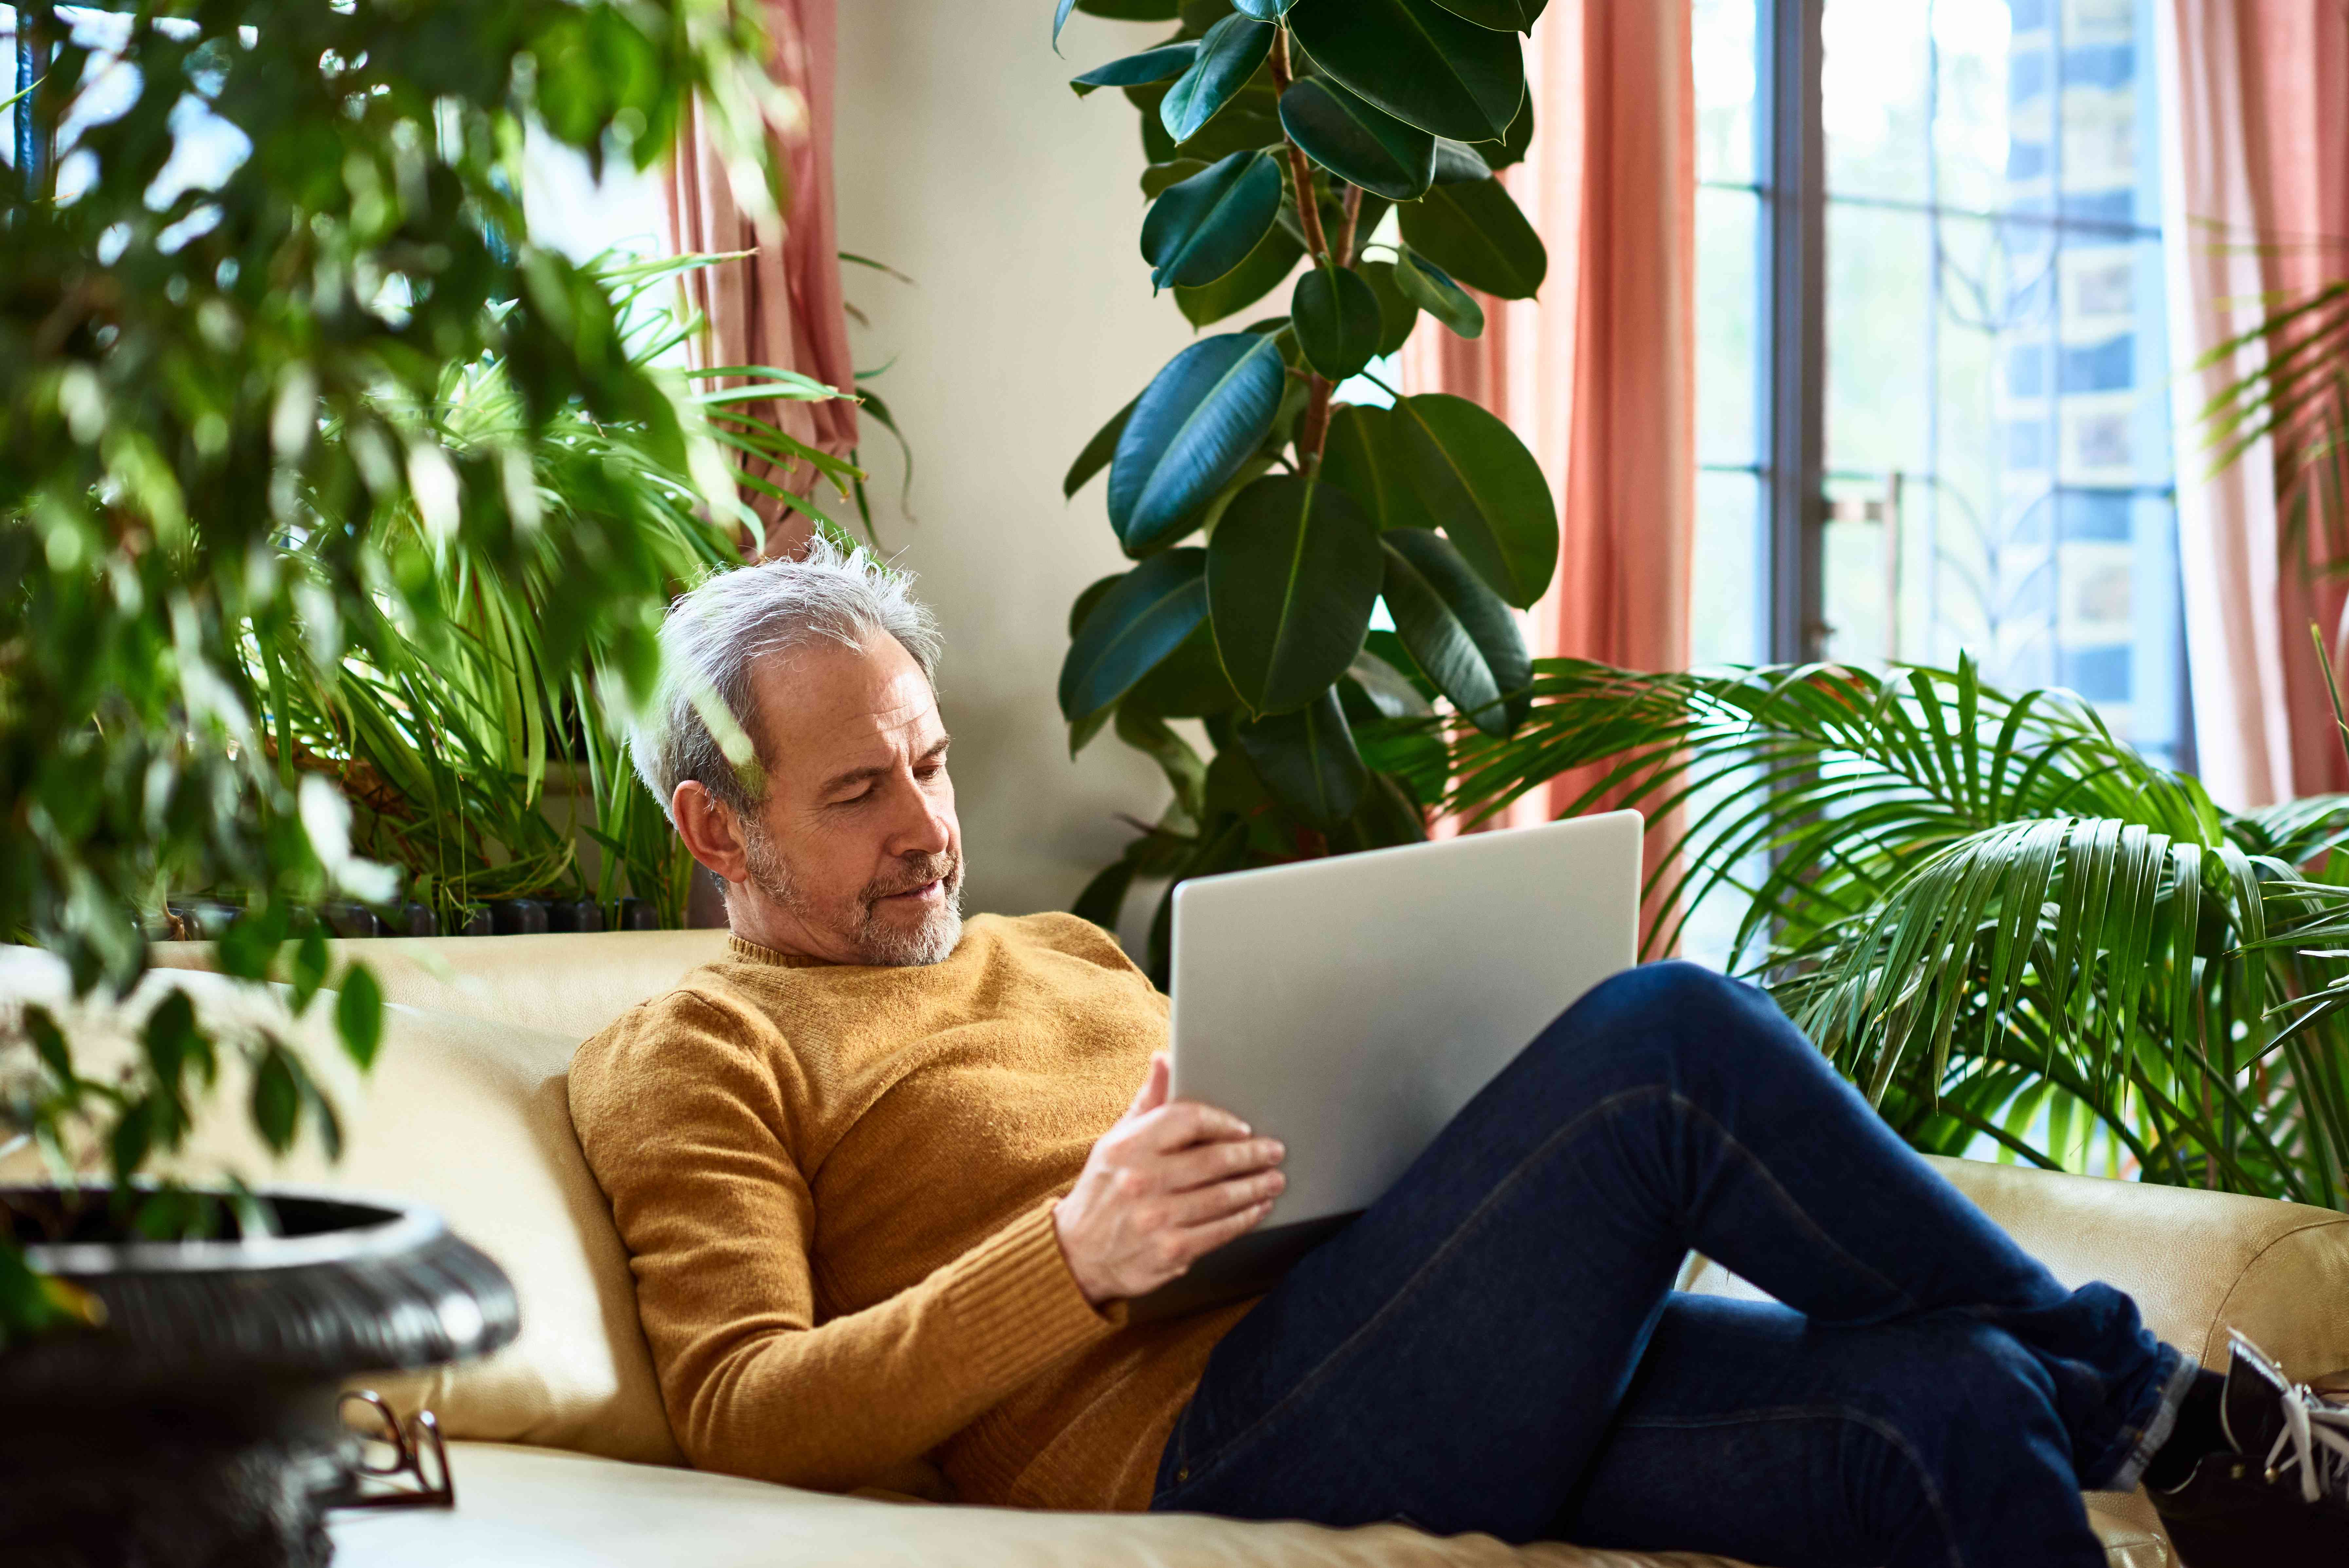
{"x":407,"y":1444}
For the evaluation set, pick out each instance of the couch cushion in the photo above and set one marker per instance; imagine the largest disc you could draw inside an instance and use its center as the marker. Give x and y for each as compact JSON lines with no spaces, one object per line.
{"x":529,"y":1508}
{"x":472,"y":1118}
{"x":572,"y":984}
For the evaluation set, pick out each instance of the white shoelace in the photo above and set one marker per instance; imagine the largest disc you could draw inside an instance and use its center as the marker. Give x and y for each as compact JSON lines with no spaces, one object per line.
{"x":2315,"y":1438}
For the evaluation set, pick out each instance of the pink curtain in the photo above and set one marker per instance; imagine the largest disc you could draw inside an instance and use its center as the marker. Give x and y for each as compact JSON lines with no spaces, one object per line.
{"x":780,"y":304}
{"x":2256,"y":174}
{"x":1598,"y":375}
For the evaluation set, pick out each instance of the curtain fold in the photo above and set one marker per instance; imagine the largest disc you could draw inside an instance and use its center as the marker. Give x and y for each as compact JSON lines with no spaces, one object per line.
{"x":780,"y":304}
{"x":2255,"y":166}
{"x":1597,"y":376}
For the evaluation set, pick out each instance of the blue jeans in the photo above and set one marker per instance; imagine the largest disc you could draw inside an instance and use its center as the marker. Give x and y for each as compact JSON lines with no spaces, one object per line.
{"x":1495,"y":1343}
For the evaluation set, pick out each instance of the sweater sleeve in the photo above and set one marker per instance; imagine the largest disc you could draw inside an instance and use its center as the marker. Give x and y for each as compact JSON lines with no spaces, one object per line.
{"x":687,"y":1128}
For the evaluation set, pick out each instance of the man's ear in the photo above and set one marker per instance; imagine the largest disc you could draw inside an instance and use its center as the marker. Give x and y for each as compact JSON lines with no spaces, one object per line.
{"x":712,"y":832}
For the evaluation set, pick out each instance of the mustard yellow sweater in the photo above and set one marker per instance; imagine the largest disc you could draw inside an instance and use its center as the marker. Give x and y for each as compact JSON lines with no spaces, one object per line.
{"x":836,"y":1186}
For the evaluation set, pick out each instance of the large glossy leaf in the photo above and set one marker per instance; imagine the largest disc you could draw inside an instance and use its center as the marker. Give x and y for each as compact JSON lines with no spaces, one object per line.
{"x":1431,"y":288}
{"x":1358,"y":456}
{"x":1098,"y":450}
{"x":1362,"y":145}
{"x":1457,"y":629}
{"x":1480,"y":484}
{"x":1418,"y":62}
{"x":1205,"y":227}
{"x":1061,"y":20}
{"x":1265,"y":268}
{"x":1503,"y":16}
{"x":1149,"y":65}
{"x":1307,"y":758}
{"x":1397,"y":314}
{"x":1229,"y":55}
{"x":1337,"y":321}
{"x":1199,"y":419}
{"x":1130,"y":10}
{"x":1188,"y":683}
{"x":1136,"y":623}
{"x":1293,"y":569}
{"x":1474,"y":232}
{"x":1263,"y":10}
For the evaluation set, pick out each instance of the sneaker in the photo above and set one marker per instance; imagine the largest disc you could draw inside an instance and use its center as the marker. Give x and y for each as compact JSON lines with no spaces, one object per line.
{"x":2281,"y":1496}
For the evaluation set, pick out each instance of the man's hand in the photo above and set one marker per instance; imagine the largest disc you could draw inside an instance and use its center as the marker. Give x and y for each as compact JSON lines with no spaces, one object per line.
{"x":1167,"y":1184}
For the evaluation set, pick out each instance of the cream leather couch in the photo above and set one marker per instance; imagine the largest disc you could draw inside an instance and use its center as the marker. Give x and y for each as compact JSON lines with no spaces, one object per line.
{"x":563,"y":1455}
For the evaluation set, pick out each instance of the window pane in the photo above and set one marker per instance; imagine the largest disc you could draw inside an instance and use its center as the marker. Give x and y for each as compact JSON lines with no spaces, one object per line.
{"x":1723,"y":47}
{"x":1725,"y":239}
{"x":1727,"y":576}
{"x":1998,"y":440}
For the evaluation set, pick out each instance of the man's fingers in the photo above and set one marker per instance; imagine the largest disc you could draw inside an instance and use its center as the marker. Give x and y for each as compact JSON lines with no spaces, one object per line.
{"x":1218,"y":1161}
{"x":1207,"y":1238}
{"x":1152,"y":1093}
{"x":1203,"y":1205}
{"x":1182,"y":1123}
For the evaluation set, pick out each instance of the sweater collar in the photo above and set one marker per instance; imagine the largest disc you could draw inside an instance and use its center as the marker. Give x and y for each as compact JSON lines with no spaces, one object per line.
{"x":751,"y":953}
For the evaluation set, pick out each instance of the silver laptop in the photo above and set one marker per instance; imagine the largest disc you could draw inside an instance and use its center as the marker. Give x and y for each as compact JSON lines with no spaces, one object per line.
{"x":1350,"y":1007}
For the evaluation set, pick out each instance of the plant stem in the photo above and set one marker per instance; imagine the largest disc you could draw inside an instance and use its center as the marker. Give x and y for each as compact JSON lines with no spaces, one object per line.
{"x":1313,"y":430}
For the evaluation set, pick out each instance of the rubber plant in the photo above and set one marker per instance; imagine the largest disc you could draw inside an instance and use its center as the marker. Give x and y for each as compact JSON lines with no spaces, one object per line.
{"x":1331,"y":163}
{"x":201,"y":378}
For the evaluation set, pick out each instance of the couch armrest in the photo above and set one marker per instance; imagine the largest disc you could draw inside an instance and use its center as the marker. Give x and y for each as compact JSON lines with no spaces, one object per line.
{"x":2197,"y":1262}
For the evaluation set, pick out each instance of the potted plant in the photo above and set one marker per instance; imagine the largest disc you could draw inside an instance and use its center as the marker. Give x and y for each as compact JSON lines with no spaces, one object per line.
{"x":235,"y":518}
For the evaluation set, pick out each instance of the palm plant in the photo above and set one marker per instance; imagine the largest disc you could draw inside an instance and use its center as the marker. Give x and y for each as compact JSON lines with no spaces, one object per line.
{"x":2008,"y":928}
{"x":446,"y":733}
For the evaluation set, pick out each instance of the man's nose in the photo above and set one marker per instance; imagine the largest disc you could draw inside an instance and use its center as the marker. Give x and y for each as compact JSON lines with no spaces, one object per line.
{"x":926,"y":828}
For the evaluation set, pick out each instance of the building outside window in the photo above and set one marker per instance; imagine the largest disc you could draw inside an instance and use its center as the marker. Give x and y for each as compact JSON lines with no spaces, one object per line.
{"x":1983,"y":351}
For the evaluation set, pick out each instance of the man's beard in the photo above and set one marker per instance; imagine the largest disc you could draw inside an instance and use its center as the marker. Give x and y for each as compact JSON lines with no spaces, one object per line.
{"x":873,"y":940}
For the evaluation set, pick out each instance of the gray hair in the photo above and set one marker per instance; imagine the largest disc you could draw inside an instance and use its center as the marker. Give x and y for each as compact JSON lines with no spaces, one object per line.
{"x":715,"y":635}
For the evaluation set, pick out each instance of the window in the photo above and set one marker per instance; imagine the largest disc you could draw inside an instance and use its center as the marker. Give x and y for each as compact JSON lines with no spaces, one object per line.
{"x":1933,"y":375}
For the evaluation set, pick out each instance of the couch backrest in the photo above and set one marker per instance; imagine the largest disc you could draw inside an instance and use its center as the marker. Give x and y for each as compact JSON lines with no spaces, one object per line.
{"x":472,"y":1116}
{"x":570,"y":984}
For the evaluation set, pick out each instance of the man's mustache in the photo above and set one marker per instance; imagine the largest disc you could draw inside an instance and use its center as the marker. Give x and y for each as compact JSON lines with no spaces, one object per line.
{"x":919,"y":872}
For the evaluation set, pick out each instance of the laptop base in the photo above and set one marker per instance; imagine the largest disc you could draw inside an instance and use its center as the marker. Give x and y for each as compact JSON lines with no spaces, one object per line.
{"x":1237,"y":1269}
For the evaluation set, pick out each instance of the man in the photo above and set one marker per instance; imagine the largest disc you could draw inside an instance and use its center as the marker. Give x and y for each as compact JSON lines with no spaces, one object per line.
{"x":887,"y":1182}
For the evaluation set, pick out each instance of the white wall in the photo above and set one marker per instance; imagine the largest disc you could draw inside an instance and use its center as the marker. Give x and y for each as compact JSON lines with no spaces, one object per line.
{"x":964,"y":162}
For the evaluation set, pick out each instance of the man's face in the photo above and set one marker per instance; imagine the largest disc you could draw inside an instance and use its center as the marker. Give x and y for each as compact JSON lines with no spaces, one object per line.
{"x":856,"y":854}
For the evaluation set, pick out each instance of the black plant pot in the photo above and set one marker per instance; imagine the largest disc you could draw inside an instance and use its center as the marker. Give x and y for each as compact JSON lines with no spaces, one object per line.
{"x":197,"y":1427}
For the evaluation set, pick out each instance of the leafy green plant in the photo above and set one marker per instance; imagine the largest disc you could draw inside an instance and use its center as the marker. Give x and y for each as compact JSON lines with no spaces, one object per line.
{"x":213,"y":455}
{"x":1357,"y":139}
{"x":2008,"y":928}
{"x":448,"y":752}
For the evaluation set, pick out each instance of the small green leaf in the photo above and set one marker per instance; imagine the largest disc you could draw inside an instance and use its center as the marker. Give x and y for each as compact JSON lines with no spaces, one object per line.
{"x":1104,"y":896}
{"x":132,"y":1139}
{"x":1149,"y":65}
{"x":1307,"y":758}
{"x":1456,"y":162}
{"x":358,"y":1014}
{"x":1478,"y":482}
{"x":1084,"y":603}
{"x":1198,"y":420}
{"x":1293,"y":570}
{"x":1431,"y":288}
{"x":1202,"y":227}
{"x":1418,"y":62}
{"x":1337,"y":320}
{"x":1137,"y":623}
{"x":49,"y":1045}
{"x":309,"y":967}
{"x":1457,"y":629}
{"x":277,"y":1099}
{"x":1266,"y":268}
{"x":1157,"y":177}
{"x":1263,"y":10}
{"x":1098,"y":450}
{"x":1474,"y":232}
{"x":1397,"y":315}
{"x":1358,"y":457}
{"x":1360,"y":144}
{"x":166,"y":1037}
{"x":1227,"y":57}
{"x":1061,"y":20}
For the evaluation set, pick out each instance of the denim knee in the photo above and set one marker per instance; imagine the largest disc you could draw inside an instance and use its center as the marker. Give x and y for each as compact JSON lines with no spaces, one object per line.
{"x":1684,"y":1019}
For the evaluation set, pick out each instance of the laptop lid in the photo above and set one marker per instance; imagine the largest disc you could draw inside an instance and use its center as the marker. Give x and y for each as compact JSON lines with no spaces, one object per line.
{"x":1351,"y":1006}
